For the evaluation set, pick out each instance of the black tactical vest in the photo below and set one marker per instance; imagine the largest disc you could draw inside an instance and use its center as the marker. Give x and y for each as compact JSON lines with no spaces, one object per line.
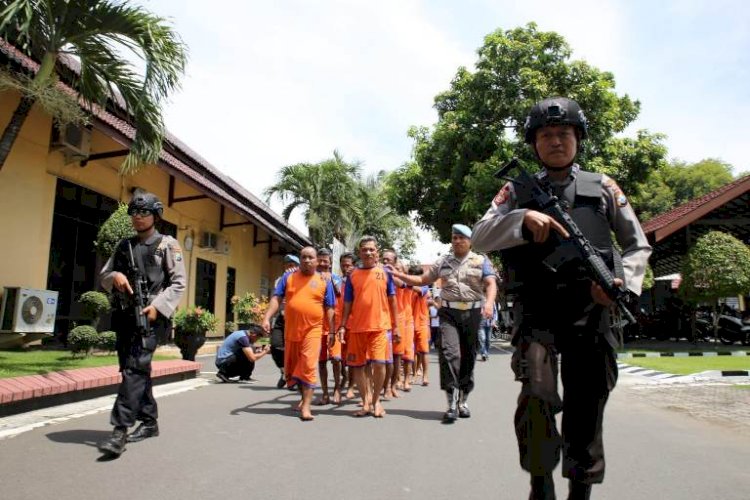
{"x":146,"y":260}
{"x":548,"y":277}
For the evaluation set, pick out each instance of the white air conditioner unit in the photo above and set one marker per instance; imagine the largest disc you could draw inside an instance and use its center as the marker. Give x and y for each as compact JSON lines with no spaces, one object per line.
{"x":74,"y":141}
{"x":27,"y":310}
{"x":223,"y":245}
{"x":208,"y":240}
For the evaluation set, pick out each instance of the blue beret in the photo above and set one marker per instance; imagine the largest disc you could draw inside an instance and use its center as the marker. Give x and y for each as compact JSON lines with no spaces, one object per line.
{"x":291,"y":258}
{"x":461,"y":229}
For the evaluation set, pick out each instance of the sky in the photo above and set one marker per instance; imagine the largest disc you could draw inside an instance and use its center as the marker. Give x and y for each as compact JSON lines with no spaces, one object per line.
{"x":271,"y":83}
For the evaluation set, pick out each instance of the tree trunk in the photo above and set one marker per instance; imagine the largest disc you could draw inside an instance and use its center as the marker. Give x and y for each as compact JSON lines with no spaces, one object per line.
{"x":10,"y":134}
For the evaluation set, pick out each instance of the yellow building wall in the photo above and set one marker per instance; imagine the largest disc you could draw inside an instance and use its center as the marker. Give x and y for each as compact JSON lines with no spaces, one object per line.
{"x":27,"y":197}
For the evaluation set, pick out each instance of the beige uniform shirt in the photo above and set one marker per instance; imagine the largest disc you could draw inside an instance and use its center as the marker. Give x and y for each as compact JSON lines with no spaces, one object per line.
{"x":462,"y":279}
{"x":500,"y":228}
{"x":169,"y":256}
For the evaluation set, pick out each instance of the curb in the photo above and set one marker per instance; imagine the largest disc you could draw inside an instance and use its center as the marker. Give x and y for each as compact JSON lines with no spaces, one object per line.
{"x":657,"y":375}
{"x":626,"y":355}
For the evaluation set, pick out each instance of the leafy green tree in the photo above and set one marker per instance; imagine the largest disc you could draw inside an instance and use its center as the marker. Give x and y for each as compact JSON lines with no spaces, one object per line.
{"x":678,"y":183}
{"x":480,"y":127}
{"x":117,"y":227}
{"x":717,"y":266}
{"x":326,"y":191}
{"x":373,"y":215}
{"x":94,"y":33}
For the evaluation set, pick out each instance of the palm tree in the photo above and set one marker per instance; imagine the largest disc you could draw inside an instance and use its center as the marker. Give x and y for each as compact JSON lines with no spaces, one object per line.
{"x":327,"y":191}
{"x":94,"y":32}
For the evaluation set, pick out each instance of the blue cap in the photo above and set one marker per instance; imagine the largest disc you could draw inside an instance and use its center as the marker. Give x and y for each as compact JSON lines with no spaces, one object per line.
{"x":461,"y":230}
{"x":291,"y":258}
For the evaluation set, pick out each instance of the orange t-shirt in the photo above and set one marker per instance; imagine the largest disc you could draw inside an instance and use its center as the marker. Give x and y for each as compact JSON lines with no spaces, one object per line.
{"x":420,"y":310}
{"x":369,"y":289}
{"x":404,"y":301}
{"x":307,"y":297}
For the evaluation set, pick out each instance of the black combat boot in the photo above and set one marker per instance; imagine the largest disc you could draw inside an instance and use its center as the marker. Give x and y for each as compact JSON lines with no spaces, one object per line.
{"x":463,"y":407}
{"x":451,"y":413}
{"x":542,"y":488}
{"x":144,"y":431}
{"x":578,"y":491}
{"x":115,"y":444}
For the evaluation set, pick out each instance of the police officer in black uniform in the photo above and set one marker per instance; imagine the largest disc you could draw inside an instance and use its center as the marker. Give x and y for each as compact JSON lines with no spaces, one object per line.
{"x":158,"y":258}
{"x":557,"y":309}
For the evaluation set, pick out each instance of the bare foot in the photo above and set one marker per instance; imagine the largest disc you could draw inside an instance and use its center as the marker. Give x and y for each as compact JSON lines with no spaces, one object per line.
{"x":361,"y":413}
{"x":379,"y":411}
{"x":349,"y":394}
{"x":394,"y":394}
{"x":323,"y":400}
{"x":336,"y":396}
{"x":407,"y":387}
{"x":306,"y":416}
{"x":425,"y":382}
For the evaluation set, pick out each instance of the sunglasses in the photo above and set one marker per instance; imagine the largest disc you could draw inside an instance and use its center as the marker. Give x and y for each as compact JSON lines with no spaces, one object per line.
{"x":141,"y":212}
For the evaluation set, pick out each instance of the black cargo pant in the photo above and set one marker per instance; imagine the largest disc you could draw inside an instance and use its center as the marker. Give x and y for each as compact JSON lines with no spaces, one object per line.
{"x":135,"y":399}
{"x":588,"y":374}
{"x":457,"y":348}
{"x":277,"y":341}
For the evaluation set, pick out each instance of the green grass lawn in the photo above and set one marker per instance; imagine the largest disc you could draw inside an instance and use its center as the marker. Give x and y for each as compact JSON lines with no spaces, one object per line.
{"x":16,"y":363}
{"x":686,"y":366}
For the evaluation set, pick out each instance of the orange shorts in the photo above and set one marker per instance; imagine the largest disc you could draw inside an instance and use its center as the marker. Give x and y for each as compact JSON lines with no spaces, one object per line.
{"x":323,"y":356}
{"x":367,"y":347}
{"x":407,"y":338}
{"x":334,"y":353}
{"x":389,"y":347}
{"x":301,"y":362}
{"x":422,"y":339}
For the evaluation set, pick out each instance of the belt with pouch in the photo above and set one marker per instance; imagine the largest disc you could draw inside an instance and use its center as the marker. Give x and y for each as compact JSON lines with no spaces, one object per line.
{"x":463,"y":306}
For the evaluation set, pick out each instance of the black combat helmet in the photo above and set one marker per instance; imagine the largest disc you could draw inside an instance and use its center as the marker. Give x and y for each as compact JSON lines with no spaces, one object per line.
{"x":145,"y":201}
{"x":555,"y":111}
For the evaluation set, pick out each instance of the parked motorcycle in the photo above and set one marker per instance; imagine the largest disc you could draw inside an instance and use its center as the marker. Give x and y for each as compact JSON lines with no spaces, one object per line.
{"x":732,"y":329}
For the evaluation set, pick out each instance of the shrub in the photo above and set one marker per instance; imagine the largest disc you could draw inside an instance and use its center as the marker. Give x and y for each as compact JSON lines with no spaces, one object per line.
{"x":117,"y":227}
{"x":107,"y":341}
{"x":94,"y":305}
{"x":230,"y":327}
{"x":82,"y":339}
{"x":194,"y":320}
{"x":248,"y":308}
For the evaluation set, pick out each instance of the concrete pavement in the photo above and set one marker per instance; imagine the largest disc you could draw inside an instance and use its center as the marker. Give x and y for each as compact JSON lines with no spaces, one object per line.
{"x":243,"y":441}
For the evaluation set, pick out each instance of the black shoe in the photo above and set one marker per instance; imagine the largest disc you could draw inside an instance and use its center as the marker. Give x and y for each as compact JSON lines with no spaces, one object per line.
{"x":450,"y":416}
{"x":542,"y":488}
{"x":281,"y":383}
{"x":115,"y":444}
{"x":221,"y":376}
{"x":579,"y":491}
{"x":144,"y":431}
{"x":463,"y":411}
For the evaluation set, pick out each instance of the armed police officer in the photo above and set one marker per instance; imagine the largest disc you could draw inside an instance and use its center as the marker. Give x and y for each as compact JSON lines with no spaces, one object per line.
{"x":147,"y":266}
{"x":557,"y":307}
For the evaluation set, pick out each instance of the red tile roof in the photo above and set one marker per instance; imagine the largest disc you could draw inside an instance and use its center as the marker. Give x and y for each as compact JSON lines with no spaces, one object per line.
{"x":195,"y":171}
{"x":667,"y":223}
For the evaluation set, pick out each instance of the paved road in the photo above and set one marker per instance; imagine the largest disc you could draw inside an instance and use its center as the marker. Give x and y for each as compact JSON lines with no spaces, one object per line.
{"x":242,"y":441}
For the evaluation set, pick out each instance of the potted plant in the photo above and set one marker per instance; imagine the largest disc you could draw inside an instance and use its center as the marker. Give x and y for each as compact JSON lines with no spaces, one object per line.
{"x":249,"y":309}
{"x":191,"y":326}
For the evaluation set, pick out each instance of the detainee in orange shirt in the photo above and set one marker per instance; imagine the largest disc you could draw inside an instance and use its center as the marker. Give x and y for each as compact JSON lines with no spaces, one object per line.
{"x":369,"y":305}
{"x":310,"y":299}
{"x":390,"y":258}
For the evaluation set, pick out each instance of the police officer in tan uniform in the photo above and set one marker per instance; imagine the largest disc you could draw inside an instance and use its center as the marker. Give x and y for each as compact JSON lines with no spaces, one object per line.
{"x":559,"y":309}
{"x":159,"y":258}
{"x":468,"y":281}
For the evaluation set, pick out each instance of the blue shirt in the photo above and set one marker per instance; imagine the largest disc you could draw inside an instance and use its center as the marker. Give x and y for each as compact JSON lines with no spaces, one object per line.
{"x":233,"y":344}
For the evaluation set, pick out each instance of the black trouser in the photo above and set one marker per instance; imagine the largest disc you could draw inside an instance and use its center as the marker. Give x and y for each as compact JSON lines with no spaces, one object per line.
{"x":277,"y":342}
{"x":135,"y":399}
{"x":588,"y":373}
{"x":236,"y":365}
{"x":457,"y":348}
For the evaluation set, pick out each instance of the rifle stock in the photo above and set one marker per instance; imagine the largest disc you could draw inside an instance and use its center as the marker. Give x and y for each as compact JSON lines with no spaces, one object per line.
{"x":595,"y":266}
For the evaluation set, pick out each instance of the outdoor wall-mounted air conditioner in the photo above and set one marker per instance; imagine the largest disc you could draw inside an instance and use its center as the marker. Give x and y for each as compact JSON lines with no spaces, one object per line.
{"x":208,"y":240}
{"x":223,"y":245}
{"x":26,"y":310}
{"x":73,"y":140}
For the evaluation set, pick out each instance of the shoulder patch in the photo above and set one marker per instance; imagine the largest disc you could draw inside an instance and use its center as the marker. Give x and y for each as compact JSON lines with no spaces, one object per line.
{"x":503,"y":195}
{"x":617,"y":193}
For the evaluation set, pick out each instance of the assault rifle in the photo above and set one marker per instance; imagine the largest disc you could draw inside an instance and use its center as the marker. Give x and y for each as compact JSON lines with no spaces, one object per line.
{"x":140,"y":295}
{"x":549,"y":204}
